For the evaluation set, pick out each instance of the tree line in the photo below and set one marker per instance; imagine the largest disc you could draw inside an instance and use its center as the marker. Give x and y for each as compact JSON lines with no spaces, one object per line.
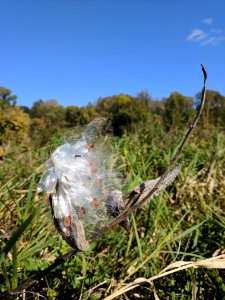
{"x":128,"y":113}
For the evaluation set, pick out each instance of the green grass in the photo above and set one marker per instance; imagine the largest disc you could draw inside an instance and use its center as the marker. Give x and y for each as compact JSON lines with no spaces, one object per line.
{"x":186,"y":222}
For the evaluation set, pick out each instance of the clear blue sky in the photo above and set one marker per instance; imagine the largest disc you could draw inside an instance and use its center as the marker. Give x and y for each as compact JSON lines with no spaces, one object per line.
{"x":78,"y":50}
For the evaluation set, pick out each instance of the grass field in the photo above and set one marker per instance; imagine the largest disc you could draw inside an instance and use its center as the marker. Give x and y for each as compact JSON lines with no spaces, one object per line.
{"x":184,"y":223}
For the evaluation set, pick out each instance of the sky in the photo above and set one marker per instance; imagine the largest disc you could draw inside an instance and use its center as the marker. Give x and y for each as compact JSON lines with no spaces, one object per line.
{"x":76,"y":51}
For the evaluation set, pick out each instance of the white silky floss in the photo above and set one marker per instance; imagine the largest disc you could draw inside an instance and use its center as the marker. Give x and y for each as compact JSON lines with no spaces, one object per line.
{"x":79,"y":179}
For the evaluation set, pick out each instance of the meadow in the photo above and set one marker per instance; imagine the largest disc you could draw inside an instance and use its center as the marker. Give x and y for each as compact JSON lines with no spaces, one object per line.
{"x":185,"y":223}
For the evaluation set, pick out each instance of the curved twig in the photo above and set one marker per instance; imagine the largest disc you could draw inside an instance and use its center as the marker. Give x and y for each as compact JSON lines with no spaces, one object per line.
{"x":127,"y":211}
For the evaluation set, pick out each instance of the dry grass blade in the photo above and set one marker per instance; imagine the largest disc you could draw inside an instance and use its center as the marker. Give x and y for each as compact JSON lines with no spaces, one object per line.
{"x":217,"y":262}
{"x":95,"y":287}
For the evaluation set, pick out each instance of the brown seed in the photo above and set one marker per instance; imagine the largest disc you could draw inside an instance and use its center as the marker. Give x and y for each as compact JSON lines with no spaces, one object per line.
{"x":46,"y":197}
{"x":94,"y":170}
{"x":90,"y":146}
{"x":95,"y":203}
{"x":99,"y":181}
{"x":67,"y":221}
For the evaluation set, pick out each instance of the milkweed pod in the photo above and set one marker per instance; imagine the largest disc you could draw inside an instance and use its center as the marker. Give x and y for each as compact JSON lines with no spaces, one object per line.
{"x":78,"y":177}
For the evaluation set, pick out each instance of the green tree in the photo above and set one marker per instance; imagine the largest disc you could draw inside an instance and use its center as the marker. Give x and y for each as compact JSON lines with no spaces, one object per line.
{"x":125,"y":111}
{"x":214,"y":111}
{"x":40,"y":108}
{"x":50,"y":111}
{"x":47,"y":119}
{"x":80,"y":115}
{"x":178,"y":110}
{"x":6,"y":98}
{"x":72,"y":115}
{"x":89,"y":113}
{"x":55,"y":117}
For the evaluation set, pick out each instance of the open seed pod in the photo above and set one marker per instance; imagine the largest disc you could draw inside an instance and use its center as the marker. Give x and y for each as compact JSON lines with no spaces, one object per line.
{"x":84,"y":187}
{"x":79,"y":177}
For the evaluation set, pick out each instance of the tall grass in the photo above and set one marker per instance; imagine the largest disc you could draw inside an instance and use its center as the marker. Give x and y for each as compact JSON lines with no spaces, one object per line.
{"x":185,"y":223}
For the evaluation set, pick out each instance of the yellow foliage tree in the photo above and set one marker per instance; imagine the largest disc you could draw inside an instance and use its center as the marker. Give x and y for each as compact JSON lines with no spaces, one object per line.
{"x":14,"y":123}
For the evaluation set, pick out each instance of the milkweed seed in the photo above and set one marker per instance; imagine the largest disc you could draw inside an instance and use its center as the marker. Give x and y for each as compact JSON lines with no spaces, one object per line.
{"x":46,"y":197}
{"x":67,"y":221}
{"x":90,"y":146}
{"x":94,"y":170}
{"x":95,"y":203}
{"x":99,"y":181}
